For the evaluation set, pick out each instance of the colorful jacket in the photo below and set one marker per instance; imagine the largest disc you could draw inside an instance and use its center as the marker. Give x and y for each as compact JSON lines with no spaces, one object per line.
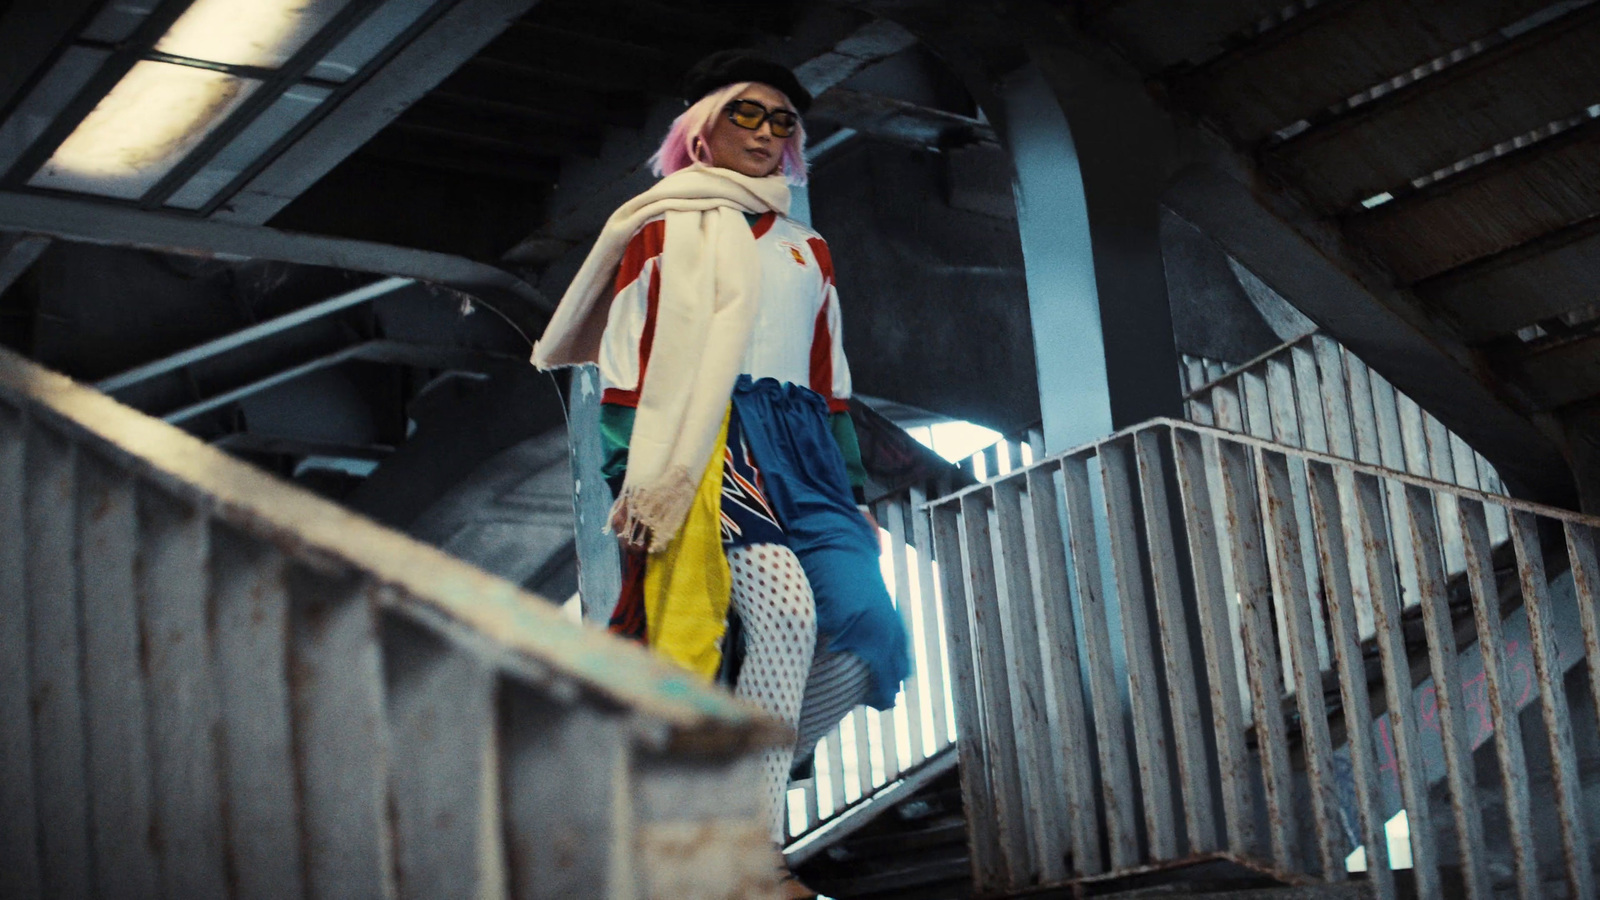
{"x":798,"y":336}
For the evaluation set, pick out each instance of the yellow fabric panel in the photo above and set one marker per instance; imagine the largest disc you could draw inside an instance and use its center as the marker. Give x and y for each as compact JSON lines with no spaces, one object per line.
{"x":687,"y":586}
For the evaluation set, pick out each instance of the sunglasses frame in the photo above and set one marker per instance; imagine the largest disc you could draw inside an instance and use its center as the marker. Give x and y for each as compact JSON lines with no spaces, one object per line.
{"x":766,"y":116}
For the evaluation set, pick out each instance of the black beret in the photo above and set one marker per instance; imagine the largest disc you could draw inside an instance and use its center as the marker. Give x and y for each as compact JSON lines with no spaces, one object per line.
{"x":727,"y":67}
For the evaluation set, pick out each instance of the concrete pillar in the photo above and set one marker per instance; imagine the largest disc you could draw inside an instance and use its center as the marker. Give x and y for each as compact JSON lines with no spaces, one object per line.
{"x":1088,"y":187}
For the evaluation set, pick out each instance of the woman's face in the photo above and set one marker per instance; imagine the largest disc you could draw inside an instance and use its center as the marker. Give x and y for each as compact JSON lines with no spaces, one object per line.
{"x":754,"y":153}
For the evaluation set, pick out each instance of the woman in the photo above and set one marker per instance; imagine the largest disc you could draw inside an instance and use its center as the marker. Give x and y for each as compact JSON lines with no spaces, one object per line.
{"x":715,"y":323}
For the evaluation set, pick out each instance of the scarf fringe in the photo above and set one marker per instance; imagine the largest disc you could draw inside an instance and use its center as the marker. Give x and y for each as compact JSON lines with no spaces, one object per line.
{"x":657,"y":510}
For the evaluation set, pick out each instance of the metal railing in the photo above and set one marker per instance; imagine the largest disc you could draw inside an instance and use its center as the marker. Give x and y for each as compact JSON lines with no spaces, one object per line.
{"x":1315,"y":394}
{"x":215,"y":684}
{"x":1157,"y":662}
{"x":1310,"y":393}
{"x":873,"y":752}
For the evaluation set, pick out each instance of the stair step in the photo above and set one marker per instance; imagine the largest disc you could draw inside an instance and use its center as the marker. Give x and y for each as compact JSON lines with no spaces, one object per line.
{"x":950,"y":830}
{"x":952,"y":870}
{"x":1346,"y":891}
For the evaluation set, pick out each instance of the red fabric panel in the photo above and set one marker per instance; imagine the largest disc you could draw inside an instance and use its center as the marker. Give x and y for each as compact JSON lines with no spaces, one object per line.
{"x":645,"y":246}
{"x":819,"y":249}
{"x":821,"y":335}
{"x":620,"y":397}
{"x":647,"y":337}
{"x":822,"y":354}
{"x":628,"y":619}
{"x":763,"y":224}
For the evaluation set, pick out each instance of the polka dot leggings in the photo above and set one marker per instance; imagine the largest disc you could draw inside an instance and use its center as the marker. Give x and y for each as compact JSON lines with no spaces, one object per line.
{"x":774,"y":601}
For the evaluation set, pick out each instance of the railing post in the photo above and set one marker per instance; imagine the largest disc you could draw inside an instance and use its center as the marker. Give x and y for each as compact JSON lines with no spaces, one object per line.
{"x":988,"y":862}
{"x":1184,"y":701}
{"x":445,"y":766}
{"x":599,"y":562}
{"x":1447,"y":691}
{"x":1553,"y":703}
{"x":19,"y":840}
{"x":55,"y":657}
{"x":1116,"y":776}
{"x":898,"y":514}
{"x":174,"y":550}
{"x":569,"y":804}
{"x":1513,"y":761}
{"x":933,"y":612}
{"x":692,"y":835}
{"x":1063,"y":674}
{"x":1117,"y":475}
{"x":1294,"y":602}
{"x":1339,"y":536}
{"x":1211,"y":603}
{"x":1381,"y":563}
{"x":251,"y":603}
{"x":1262,"y":667}
{"x":1026,"y":674}
{"x":340,"y":735}
{"x":116,"y":695}
{"x":999,"y":733}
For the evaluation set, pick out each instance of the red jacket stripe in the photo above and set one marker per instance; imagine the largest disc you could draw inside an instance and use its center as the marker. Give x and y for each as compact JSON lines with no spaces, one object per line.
{"x":645,"y":246}
{"x":819,"y":249}
{"x":763,"y":224}
{"x":822,"y":354}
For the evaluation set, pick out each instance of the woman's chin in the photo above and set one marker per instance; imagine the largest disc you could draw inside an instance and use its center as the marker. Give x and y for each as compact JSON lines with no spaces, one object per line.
{"x":752,"y":168}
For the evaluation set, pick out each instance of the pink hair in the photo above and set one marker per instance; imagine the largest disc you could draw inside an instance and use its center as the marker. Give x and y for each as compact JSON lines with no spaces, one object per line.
{"x":685,"y":143}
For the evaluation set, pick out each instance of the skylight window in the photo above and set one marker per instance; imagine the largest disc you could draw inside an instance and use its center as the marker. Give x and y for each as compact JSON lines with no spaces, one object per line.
{"x":259,"y":33}
{"x":154,"y":116}
{"x":207,"y":66}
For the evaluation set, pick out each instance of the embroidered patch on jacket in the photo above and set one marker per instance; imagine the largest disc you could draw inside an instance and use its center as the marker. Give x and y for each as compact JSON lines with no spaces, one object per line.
{"x":795,"y":252}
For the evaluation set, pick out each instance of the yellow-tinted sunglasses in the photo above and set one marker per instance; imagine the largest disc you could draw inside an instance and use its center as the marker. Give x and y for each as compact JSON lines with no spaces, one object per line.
{"x":749,"y":114}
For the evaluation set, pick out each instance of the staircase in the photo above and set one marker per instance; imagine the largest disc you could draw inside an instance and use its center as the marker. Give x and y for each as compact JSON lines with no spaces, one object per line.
{"x":1192,"y":658}
{"x":1202,"y":642}
{"x":214,"y":684}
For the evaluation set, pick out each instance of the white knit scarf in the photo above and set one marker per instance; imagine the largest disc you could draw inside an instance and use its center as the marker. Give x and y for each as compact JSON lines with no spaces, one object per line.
{"x":709,"y":276}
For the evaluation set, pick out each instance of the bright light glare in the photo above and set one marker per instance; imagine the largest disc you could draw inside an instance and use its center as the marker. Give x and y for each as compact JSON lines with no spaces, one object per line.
{"x":1397,"y":834}
{"x":153,"y":117}
{"x":261,"y":33}
{"x":956,"y":440}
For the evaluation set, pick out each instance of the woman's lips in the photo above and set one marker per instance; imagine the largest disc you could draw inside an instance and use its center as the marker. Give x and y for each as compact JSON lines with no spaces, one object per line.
{"x":760,"y":153}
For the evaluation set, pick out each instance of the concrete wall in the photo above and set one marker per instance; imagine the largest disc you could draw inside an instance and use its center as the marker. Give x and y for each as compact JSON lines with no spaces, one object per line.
{"x":934,"y":299}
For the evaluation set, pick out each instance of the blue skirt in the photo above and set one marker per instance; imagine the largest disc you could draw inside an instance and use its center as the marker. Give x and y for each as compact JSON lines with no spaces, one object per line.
{"x":785,"y":429}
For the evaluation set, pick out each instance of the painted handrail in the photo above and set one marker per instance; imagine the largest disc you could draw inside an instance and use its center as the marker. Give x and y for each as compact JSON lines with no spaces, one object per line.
{"x":1143,"y":628}
{"x":218,"y":684}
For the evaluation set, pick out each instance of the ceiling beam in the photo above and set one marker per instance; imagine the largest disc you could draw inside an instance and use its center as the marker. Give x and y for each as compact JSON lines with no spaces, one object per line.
{"x":251,"y":442}
{"x":827,"y":51}
{"x":897,"y":120}
{"x":18,"y":253}
{"x":377,"y":351}
{"x":260,"y":331}
{"x":32,"y":33}
{"x":1267,"y":229}
{"x":516,"y":301}
{"x":418,"y":68}
{"x":1308,"y":262}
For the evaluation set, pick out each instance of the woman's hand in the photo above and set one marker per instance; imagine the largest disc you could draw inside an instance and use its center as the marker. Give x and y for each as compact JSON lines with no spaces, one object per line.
{"x":635,"y":538}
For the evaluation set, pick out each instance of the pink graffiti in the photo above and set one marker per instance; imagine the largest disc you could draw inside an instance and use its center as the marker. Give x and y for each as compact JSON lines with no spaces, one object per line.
{"x":1475,"y":697}
{"x":1519,"y":683}
{"x":1390,"y":763}
{"x":1428,"y":709}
